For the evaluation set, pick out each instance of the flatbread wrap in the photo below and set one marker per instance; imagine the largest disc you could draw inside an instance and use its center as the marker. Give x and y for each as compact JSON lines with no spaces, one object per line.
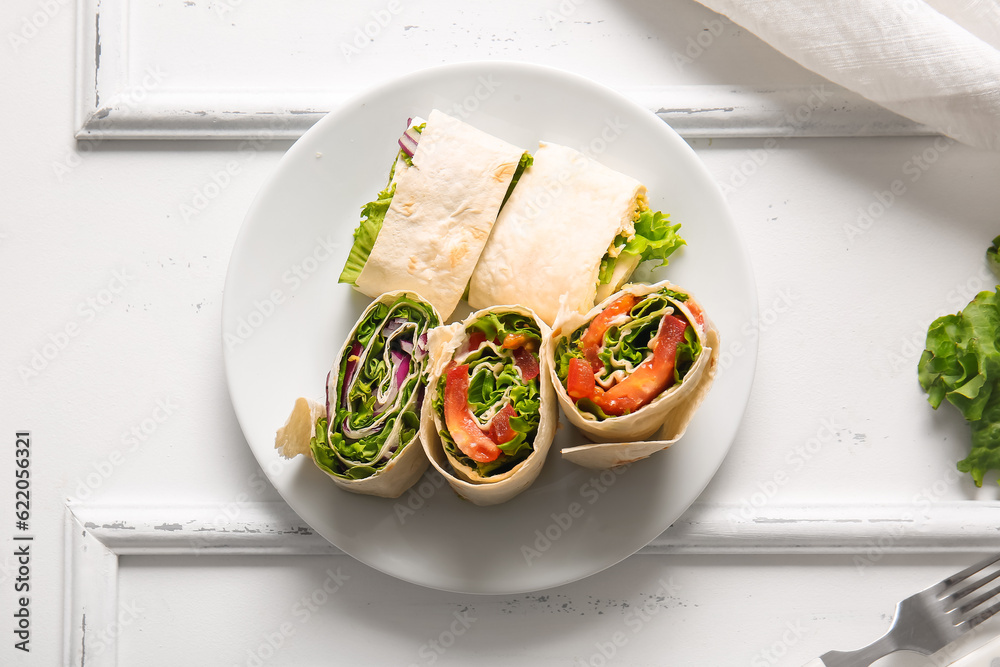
{"x":424,"y":232}
{"x":490,"y":413}
{"x":573,"y":230}
{"x":638,"y":364}
{"x":366,"y":435}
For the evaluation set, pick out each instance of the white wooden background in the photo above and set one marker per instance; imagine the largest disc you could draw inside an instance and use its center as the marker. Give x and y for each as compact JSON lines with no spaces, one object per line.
{"x":836,"y":418}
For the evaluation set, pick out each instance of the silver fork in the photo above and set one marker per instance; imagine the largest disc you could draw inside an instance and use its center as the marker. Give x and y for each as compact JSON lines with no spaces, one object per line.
{"x":931,"y":619}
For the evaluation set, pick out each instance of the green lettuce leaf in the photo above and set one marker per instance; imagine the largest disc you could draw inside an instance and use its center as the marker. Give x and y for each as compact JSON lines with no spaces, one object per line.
{"x":654,"y":239}
{"x":961,"y":364}
{"x":525,"y":162}
{"x":373,"y":215}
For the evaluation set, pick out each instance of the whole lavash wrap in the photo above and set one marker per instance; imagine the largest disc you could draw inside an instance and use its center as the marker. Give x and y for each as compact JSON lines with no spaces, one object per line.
{"x":448,"y":342}
{"x":571,"y":232}
{"x":365,"y":435}
{"x":442,"y":209}
{"x":622,"y":438}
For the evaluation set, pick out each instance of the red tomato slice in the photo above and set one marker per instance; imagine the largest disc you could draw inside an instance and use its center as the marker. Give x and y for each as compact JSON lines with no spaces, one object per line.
{"x":580,"y":381}
{"x":651,"y":377}
{"x":461,"y":424}
{"x":500,"y":430}
{"x":527,"y":362}
{"x":593,"y":337}
{"x":696,"y":311}
{"x":476,"y":339}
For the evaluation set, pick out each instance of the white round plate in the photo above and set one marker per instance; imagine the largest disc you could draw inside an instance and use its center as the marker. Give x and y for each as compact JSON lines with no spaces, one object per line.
{"x":284,"y":316}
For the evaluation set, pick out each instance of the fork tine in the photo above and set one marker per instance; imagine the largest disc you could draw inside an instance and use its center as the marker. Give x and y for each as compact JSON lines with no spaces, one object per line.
{"x":985,"y":597}
{"x":981,"y":616}
{"x":972,"y":588}
{"x":969,"y":571}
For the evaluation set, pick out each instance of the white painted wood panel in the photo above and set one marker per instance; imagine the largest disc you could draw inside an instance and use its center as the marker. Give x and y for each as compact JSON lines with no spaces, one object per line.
{"x":78,"y":212}
{"x":235,"y":70}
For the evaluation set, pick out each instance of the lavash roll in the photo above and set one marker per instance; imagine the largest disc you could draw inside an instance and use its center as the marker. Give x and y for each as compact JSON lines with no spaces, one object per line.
{"x":441,"y":213}
{"x":552,"y":234}
{"x":666,"y":416}
{"x":445,"y":344}
{"x":377,"y":454}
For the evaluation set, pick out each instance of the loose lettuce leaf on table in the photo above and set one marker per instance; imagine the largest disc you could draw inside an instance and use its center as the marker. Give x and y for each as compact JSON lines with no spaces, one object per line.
{"x":961,"y":364}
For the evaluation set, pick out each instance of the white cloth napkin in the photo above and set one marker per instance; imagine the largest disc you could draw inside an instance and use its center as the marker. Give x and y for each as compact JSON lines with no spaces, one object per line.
{"x":936,"y":61}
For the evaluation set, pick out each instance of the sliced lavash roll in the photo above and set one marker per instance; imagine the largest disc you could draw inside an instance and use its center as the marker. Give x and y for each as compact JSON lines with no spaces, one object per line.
{"x":572,"y":232}
{"x":667,"y":415}
{"x":444,"y":202}
{"x":369,"y":448}
{"x":478,"y":342}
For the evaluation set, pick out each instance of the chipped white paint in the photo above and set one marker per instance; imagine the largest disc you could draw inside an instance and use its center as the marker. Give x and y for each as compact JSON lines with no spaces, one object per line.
{"x":126,"y":93}
{"x":707,"y":528}
{"x":91,"y":571}
{"x":98,"y":534}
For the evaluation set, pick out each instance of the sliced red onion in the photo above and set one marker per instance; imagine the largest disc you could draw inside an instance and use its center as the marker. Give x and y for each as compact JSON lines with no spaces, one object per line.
{"x":403,"y":369}
{"x":392,"y":325}
{"x":420,"y":397}
{"x":401,"y":364}
{"x":408,"y":142}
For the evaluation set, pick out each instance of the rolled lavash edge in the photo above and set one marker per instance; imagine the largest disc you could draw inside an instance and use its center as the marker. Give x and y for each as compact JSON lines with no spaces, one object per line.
{"x":649,"y":419}
{"x":600,"y":456}
{"x":463,"y":480}
{"x":488,"y":286}
{"x":405,"y":468}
